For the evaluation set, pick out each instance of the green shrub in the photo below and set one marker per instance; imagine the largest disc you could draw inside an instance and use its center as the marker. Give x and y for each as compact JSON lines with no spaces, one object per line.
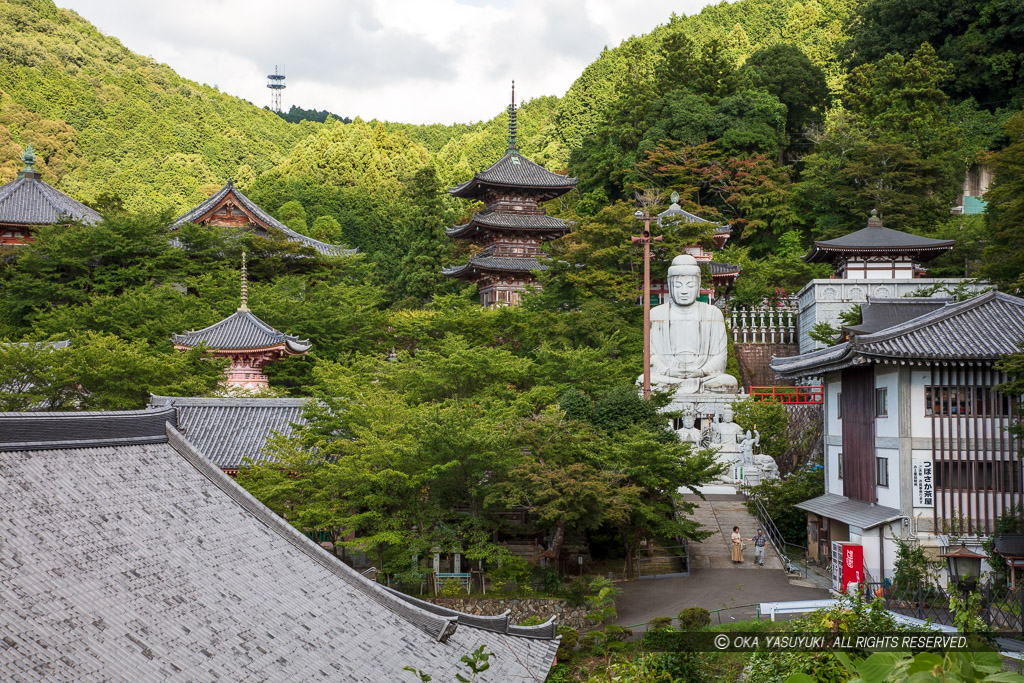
{"x":694,"y":617}
{"x":531,"y":621}
{"x":451,"y":588}
{"x":659,"y":623}
{"x":576,"y":591}
{"x":567,"y":646}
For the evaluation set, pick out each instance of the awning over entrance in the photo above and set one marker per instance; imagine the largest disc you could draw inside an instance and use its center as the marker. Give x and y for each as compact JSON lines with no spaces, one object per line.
{"x":853,"y":512}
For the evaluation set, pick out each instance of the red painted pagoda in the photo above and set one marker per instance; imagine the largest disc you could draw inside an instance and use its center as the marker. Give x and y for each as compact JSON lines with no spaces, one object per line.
{"x":248,"y":342}
{"x":511,"y":226}
{"x":27,"y":203}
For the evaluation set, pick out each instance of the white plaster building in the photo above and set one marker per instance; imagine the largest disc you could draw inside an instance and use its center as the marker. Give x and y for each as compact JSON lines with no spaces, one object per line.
{"x":916,"y":437}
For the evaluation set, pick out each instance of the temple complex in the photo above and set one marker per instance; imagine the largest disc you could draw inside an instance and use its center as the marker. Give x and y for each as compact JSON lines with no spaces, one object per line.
{"x":723,"y":275}
{"x":511,"y":226}
{"x":248,"y":342}
{"x":229,"y":208}
{"x":27,"y":203}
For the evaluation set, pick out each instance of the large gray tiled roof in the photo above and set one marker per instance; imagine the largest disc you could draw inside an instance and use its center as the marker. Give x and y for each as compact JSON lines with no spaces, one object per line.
{"x":501,"y":263}
{"x":261,"y":216}
{"x":981,"y":329}
{"x":146,"y":562}
{"x":877,"y":239}
{"x":241,"y":330}
{"x":515,"y":171}
{"x":526,"y":222}
{"x":27,"y":200}
{"x":231,"y":430}
{"x":676,"y":212}
{"x":881,"y":314}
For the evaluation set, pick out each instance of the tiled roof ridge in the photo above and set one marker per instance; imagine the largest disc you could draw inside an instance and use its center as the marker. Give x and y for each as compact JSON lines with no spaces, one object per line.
{"x":229,"y":188}
{"x":438,"y":626}
{"x":83,"y":429}
{"x":249,"y":401}
{"x":922,"y":242}
{"x":932,"y":317}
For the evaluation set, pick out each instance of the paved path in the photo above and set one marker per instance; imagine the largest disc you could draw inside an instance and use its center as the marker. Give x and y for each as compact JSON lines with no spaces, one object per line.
{"x":715,"y":583}
{"x":719,"y":514}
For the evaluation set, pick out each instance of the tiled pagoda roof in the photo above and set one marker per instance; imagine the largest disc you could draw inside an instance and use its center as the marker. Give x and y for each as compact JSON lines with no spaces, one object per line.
{"x":878,"y":240}
{"x":27,"y":200}
{"x":230,"y":430}
{"x":261,"y":217}
{"x":241,"y":331}
{"x":137,"y":559}
{"x":513,"y":264}
{"x":676,"y":212}
{"x":981,"y":329}
{"x":515,"y":171}
{"x":509,"y":221}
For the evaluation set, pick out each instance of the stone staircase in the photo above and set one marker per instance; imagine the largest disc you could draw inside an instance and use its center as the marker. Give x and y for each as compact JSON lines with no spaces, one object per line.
{"x":719,"y":514}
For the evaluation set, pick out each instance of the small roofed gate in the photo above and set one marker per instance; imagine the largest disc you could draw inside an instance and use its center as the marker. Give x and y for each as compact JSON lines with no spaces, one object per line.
{"x":857,"y":404}
{"x":976,"y":458}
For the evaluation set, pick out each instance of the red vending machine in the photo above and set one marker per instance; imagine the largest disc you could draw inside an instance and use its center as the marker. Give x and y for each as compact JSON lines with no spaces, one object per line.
{"x":847,"y":565}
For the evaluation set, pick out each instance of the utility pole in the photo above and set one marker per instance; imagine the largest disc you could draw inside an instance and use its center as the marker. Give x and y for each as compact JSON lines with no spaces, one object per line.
{"x":646,"y":239}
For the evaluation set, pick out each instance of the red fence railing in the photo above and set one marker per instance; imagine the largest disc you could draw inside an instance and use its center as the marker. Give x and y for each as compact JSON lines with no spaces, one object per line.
{"x":799,"y":395}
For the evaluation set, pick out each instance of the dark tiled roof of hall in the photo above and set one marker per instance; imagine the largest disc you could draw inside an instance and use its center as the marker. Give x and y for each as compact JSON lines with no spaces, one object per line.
{"x":292,"y":236}
{"x":876,"y":238}
{"x":27,"y":200}
{"x":241,"y":330}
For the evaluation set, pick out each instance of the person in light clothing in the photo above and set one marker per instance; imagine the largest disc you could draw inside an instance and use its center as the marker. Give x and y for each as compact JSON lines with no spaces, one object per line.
{"x":760,"y":541}
{"x":737,"y":546}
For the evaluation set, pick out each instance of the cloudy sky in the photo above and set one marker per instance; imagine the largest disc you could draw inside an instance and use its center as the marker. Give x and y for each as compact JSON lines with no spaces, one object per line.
{"x":418,"y":61}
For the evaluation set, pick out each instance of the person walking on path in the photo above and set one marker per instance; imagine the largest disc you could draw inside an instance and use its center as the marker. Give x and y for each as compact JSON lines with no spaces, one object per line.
{"x":737,"y":546}
{"x":760,"y":541}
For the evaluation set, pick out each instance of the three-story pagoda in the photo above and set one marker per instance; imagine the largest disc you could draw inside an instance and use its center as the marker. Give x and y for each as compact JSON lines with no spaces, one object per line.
{"x":512,"y":225}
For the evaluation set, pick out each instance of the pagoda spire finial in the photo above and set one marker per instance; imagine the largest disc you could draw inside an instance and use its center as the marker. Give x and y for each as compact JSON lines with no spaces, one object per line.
{"x":245,"y":287}
{"x":512,"y":120}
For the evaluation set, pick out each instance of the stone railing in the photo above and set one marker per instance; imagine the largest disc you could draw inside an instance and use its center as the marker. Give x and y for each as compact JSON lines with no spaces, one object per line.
{"x":521,"y":609}
{"x":765,"y":324}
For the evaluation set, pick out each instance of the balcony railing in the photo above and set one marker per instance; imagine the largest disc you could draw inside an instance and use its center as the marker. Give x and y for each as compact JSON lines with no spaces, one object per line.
{"x":807,"y":395}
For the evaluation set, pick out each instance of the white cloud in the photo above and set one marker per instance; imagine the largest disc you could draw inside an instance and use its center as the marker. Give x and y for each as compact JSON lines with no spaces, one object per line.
{"x":419,"y":61}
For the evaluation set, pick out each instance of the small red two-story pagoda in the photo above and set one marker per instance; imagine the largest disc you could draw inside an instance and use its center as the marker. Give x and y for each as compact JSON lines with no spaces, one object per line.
{"x":512,"y":225}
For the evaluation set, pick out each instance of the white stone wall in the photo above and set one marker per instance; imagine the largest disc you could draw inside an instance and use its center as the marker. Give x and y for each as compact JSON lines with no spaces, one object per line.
{"x":824,"y":300}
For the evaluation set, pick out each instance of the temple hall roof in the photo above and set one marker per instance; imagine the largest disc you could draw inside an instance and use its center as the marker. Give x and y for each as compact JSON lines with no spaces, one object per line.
{"x":27,"y":200}
{"x":260,"y":217}
{"x":230,"y":430}
{"x":241,"y":331}
{"x":981,"y":329}
{"x":509,"y":221}
{"x":495,"y":263}
{"x":878,"y":240}
{"x":676,"y":212}
{"x":128,"y":556}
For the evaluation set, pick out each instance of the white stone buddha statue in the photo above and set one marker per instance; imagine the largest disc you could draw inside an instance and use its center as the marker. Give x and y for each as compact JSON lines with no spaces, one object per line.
{"x":688,"y":338}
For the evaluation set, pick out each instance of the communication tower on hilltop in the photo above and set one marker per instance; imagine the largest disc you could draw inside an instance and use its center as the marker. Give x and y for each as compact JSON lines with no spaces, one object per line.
{"x":275,"y":82}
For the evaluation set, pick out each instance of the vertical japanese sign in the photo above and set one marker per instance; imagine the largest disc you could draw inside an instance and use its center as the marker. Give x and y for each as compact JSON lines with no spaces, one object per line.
{"x":923,"y":482}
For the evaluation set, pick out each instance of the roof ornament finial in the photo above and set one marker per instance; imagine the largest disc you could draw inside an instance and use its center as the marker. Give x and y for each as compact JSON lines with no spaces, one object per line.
{"x":245,"y":287}
{"x":512,"y":120}
{"x":29,"y":157}
{"x":674,"y":198}
{"x":874,"y":221}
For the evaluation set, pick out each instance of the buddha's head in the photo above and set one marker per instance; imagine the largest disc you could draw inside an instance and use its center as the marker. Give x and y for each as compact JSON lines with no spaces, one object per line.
{"x":684,"y":280}
{"x":688,"y":420}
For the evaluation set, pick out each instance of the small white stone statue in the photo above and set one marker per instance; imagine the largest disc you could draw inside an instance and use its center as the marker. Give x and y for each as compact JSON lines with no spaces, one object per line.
{"x":689,"y":433}
{"x":729,"y":433}
{"x":747,"y":448}
{"x":767,"y":466}
{"x":689,"y":348}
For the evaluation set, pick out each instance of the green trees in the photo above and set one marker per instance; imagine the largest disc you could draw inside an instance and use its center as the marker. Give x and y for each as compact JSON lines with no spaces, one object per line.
{"x":785,"y":71}
{"x":424,"y":245}
{"x":1004,"y":215}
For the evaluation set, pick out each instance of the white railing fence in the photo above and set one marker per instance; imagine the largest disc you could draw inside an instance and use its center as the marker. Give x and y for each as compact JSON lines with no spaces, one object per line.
{"x":765,"y":324}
